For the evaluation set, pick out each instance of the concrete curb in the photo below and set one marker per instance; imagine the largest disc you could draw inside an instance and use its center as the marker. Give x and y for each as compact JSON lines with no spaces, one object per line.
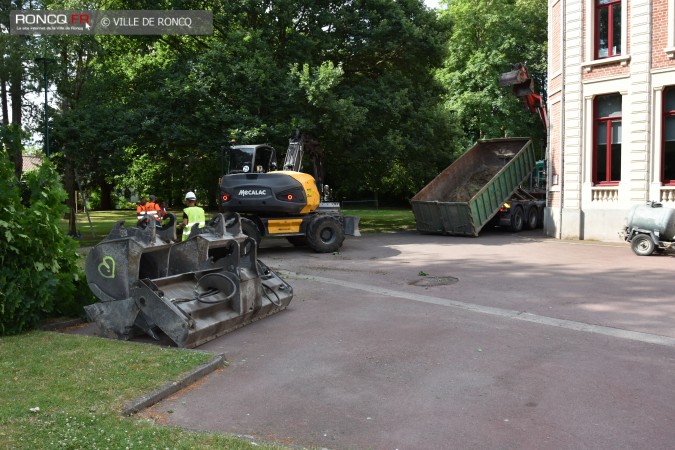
{"x":134,"y":406}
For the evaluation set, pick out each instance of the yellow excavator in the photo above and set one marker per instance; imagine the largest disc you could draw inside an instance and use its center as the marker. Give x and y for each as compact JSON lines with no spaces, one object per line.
{"x":284,"y":202}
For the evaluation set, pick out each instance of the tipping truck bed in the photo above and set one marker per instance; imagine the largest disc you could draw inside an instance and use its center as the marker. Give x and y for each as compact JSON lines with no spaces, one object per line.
{"x":463,"y":198}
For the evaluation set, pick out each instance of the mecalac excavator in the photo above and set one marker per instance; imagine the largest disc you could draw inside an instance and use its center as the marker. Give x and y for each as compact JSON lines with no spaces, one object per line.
{"x":284,"y":203}
{"x":191,"y":291}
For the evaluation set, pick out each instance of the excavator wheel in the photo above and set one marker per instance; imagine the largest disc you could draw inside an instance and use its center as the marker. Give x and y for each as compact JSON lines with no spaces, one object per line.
{"x":250,"y":229}
{"x":325,"y":234}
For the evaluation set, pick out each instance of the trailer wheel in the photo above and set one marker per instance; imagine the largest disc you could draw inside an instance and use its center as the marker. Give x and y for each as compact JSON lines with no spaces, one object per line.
{"x":532,"y":218}
{"x":517,"y":220}
{"x":250,"y":229}
{"x":642,"y":245}
{"x":325,"y":234}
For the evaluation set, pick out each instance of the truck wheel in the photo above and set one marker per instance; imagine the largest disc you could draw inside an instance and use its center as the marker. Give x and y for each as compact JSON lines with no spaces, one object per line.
{"x":541,"y":218}
{"x":325,"y":234}
{"x":642,"y":245}
{"x":532,"y":218}
{"x":250,"y":229}
{"x":517,"y":220}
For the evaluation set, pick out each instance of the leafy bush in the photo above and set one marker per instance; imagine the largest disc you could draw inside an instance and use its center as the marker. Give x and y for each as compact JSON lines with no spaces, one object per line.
{"x":38,"y":262}
{"x":122,"y":203}
{"x":94,"y":200}
{"x":119,"y":201}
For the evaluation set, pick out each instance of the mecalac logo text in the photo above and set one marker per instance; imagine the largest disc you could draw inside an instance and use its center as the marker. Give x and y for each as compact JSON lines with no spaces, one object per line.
{"x":252,"y":192}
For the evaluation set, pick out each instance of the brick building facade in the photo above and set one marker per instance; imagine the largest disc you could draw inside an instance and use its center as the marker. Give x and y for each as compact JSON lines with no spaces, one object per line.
{"x":611,"y":103}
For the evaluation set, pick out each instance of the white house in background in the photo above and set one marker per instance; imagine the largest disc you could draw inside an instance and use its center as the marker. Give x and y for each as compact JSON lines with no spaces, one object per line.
{"x":611,"y":102}
{"x":31,"y":163}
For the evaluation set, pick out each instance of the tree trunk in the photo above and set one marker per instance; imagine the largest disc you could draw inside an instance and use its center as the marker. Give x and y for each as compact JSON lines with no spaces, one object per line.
{"x":5,"y":105}
{"x":106,"y":196}
{"x":69,"y":184}
{"x":16,"y":96}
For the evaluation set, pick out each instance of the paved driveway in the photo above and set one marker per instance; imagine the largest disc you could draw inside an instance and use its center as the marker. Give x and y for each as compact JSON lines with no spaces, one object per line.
{"x":409,"y":341}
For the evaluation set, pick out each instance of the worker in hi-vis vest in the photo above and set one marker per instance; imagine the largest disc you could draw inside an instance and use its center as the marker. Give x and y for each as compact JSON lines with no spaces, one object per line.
{"x":192,"y":215}
{"x":142,"y":209}
{"x":154,"y":210}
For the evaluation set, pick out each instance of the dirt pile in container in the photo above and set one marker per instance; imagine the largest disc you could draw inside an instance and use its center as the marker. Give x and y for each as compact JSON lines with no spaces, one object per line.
{"x":480,"y":178}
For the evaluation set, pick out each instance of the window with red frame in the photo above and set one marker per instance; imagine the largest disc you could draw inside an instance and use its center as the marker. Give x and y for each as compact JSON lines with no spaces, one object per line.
{"x":607,"y":28}
{"x":668,"y":156}
{"x":607,"y":148}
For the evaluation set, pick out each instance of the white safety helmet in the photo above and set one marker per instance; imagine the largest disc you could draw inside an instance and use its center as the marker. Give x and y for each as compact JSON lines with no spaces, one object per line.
{"x":190,"y":196}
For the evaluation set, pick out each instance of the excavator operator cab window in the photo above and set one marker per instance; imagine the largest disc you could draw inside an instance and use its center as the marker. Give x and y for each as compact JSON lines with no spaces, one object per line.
{"x":264,"y":159}
{"x":252,"y":159}
{"x":241,"y":159}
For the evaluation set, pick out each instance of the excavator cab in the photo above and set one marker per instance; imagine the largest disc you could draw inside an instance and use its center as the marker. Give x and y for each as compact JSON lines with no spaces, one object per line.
{"x":252,"y":159}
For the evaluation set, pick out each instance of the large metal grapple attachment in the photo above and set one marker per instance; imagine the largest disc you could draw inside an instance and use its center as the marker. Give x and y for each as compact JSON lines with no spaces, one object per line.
{"x":193,"y":291}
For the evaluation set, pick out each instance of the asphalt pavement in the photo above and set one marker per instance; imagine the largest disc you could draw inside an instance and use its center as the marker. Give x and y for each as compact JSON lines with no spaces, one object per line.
{"x":411,"y":341}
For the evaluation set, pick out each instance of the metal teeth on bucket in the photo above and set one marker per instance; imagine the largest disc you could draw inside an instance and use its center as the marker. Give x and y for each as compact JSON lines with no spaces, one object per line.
{"x":193,"y":291}
{"x":519,"y":80}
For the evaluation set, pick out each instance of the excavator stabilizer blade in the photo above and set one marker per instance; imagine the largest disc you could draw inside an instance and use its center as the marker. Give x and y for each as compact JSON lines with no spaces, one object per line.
{"x":193,"y":291}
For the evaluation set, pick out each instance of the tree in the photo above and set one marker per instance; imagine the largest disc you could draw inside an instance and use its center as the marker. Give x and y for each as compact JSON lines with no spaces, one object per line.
{"x":487,"y":38}
{"x":38,"y":263}
{"x":366,"y":90}
{"x":358,"y":75}
{"x":15,"y":54}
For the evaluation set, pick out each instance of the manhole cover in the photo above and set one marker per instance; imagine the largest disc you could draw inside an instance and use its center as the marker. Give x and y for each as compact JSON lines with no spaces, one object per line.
{"x":434,"y":281}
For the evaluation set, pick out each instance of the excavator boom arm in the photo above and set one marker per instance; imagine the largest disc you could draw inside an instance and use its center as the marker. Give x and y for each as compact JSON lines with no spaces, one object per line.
{"x":523,"y":88}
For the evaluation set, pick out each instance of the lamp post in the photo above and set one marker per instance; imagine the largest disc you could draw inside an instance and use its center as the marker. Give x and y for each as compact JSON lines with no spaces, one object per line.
{"x":45,"y":62}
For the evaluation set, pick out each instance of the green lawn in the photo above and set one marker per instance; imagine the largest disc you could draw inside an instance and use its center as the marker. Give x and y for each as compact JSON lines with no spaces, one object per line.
{"x":372,"y":221}
{"x":101,"y":224}
{"x":67,"y":391}
{"x":388,"y":220}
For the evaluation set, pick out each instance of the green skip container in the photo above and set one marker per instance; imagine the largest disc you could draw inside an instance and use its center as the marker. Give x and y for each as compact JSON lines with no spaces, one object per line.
{"x":463,"y":198}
